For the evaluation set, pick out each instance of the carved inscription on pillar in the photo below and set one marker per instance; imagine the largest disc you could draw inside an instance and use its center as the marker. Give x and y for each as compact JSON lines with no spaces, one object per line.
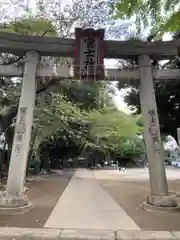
{"x":20,"y":129}
{"x":153,"y":130}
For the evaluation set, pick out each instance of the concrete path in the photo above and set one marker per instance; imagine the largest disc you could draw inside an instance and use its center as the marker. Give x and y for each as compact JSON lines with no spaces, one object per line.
{"x":86,"y":205}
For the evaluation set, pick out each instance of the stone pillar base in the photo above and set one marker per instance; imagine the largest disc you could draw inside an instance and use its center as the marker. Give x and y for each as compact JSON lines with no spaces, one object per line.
{"x":161,"y":204}
{"x":14,"y":205}
{"x":162,"y":201}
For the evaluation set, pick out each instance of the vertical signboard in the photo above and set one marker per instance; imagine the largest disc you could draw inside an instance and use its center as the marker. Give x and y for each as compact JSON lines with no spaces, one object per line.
{"x":89,"y":54}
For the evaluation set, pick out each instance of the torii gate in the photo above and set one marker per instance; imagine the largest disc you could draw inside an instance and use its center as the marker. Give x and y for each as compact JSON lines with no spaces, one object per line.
{"x":33,"y":47}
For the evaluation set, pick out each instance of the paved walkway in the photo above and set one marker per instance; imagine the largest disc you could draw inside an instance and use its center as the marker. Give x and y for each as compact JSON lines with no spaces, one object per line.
{"x":86,"y":205}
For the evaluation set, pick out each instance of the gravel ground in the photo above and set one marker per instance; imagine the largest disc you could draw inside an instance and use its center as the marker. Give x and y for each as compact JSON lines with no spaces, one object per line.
{"x":43,"y":194}
{"x":130,"y":194}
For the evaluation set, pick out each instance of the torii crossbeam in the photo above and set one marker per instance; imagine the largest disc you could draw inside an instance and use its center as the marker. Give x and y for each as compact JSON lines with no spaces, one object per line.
{"x":65,"y":72}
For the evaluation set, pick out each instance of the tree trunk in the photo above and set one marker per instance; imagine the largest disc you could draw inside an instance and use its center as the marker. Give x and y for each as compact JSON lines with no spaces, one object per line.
{"x":46,"y":162}
{"x":108,"y":157}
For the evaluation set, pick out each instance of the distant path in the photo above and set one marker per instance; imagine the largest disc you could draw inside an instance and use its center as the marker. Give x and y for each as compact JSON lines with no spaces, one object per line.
{"x":86,"y":205}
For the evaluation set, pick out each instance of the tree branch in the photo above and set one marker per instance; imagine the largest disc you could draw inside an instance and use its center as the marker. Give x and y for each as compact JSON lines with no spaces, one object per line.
{"x":8,"y":113}
{"x":13,"y":61}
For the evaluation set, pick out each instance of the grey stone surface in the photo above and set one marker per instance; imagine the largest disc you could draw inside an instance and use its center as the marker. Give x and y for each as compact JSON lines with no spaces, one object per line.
{"x":176,"y":234}
{"x":95,"y":208}
{"x":40,"y":234}
{"x":68,"y":234}
{"x":78,"y":234}
{"x":12,"y":201}
{"x":29,"y":233}
{"x":178,"y":194}
{"x":153,"y":208}
{"x":162,"y":201}
{"x":17,"y":172}
{"x":87,"y":234}
{"x":15,"y":210}
{"x":1,"y":193}
{"x":50,"y":46}
{"x":12,"y":233}
{"x":145,"y":235}
{"x":157,"y":175}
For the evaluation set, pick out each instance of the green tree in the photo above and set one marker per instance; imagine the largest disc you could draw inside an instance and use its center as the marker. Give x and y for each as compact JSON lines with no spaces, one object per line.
{"x":49,"y":16}
{"x":11,"y":89}
{"x":100,"y":129}
{"x":130,"y":148}
{"x":108,"y":126}
{"x":159,"y":15}
{"x":76,"y":96}
{"x":30,"y":25}
{"x":61,"y":115}
{"x":62,"y":123}
{"x":87,"y":95}
{"x":167,"y":97}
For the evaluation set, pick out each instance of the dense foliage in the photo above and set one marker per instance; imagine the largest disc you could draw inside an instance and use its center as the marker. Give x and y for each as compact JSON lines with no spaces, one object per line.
{"x":167,"y":96}
{"x":159,"y":15}
{"x":71,"y":117}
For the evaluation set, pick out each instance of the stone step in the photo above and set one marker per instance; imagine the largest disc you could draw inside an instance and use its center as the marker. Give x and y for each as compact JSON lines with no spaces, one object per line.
{"x":78,"y":234}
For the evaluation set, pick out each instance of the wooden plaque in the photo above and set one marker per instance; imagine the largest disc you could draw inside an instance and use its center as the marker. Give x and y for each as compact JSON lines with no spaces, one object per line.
{"x":89,"y":54}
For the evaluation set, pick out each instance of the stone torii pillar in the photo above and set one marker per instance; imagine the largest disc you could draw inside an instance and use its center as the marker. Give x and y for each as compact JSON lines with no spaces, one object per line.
{"x":14,"y":196}
{"x":178,"y":136}
{"x":158,"y":182}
